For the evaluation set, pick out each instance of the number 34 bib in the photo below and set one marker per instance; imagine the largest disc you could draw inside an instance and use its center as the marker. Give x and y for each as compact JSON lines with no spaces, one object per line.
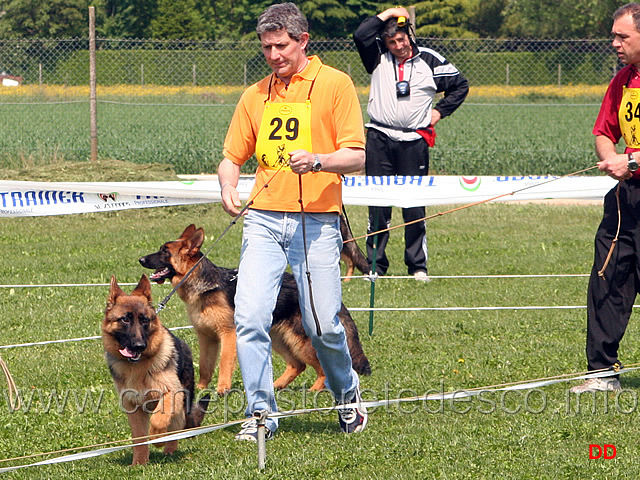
{"x":629,"y":116}
{"x":285,"y":127}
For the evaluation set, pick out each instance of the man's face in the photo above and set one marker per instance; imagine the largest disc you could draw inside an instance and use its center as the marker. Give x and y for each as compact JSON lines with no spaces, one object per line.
{"x":283,"y":54}
{"x":626,"y":40}
{"x":399,"y":45}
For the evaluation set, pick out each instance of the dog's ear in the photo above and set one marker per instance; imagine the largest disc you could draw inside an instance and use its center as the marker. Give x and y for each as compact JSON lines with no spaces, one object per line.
{"x":143,"y":289}
{"x":196,"y":241}
{"x":188,"y":232}
{"x":114,"y":292}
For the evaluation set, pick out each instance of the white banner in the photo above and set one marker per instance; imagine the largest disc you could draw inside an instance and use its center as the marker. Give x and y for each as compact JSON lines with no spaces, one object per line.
{"x":19,"y":199}
{"x":401,"y":191}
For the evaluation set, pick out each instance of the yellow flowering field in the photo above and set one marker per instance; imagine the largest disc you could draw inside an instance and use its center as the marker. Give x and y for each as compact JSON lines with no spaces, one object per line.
{"x":490,"y":91}
{"x":512,"y":91}
{"x":566,"y":91}
{"x":62,"y":91}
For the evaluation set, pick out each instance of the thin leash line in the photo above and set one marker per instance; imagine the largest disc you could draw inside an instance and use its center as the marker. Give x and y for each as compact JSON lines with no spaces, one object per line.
{"x":616,"y":369}
{"x":613,"y":370}
{"x":306,"y":257}
{"x":11,"y":385}
{"x":615,"y":239}
{"x":166,"y":299}
{"x":440,"y":214}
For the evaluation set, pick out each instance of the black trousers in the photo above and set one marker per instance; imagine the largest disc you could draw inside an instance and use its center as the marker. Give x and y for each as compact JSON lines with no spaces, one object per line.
{"x":610,"y":298}
{"x":388,"y":157}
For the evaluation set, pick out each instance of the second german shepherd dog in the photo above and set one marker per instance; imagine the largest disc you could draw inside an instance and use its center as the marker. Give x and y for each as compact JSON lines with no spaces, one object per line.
{"x":208,"y":292}
{"x":152,"y":369}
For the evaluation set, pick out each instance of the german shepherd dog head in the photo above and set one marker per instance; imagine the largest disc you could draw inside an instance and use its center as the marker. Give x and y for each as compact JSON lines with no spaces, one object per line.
{"x":130,"y":321}
{"x":175,"y":258}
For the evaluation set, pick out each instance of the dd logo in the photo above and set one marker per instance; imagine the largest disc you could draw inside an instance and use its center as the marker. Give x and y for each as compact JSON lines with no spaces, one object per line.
{"x":606,"y":451}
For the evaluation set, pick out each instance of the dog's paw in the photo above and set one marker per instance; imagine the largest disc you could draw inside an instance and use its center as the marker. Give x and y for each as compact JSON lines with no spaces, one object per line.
{"x":222,"y":390}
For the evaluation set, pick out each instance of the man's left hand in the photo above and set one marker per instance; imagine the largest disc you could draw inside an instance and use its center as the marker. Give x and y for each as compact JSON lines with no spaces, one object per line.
{"x":435,"y":117}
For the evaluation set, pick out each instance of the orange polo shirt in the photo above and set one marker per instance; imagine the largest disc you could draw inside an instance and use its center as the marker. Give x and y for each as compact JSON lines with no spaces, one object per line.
{"x":336,"y":122}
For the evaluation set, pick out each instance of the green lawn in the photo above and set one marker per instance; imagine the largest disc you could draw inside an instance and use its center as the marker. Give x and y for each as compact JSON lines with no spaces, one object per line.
{"x":499,"y":138}
{"x":542,"y":434}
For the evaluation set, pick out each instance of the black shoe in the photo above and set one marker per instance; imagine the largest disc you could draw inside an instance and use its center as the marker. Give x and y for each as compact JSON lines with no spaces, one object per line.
{"x":353,"y":420}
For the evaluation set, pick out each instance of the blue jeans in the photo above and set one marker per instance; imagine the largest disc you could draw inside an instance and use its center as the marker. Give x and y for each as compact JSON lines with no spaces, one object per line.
{"x":271,"y":240}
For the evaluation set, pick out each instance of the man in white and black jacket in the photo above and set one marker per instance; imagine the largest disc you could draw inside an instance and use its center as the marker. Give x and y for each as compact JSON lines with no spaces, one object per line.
{"x":405,"y":79}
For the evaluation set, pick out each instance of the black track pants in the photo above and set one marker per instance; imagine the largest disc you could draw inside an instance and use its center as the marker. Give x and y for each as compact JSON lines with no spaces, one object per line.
{"x":610,"y":298}
{"x":388,"y":157}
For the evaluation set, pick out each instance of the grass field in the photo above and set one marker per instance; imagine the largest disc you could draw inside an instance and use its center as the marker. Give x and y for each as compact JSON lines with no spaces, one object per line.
{"x":542,"y":433}
{"x":497,"y":131}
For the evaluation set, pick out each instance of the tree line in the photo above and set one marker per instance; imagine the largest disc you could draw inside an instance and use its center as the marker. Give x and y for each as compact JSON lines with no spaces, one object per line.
{"x":236,"y":19}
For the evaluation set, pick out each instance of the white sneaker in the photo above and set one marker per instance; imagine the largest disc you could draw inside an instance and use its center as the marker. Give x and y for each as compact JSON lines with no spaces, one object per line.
{"x":372,"y":277}
{"x":249,"y":431}
{"x":598,"y":385}
{"x":421,"y":276}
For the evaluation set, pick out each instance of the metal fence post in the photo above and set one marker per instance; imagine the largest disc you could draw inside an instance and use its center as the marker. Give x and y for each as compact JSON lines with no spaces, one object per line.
{"x":261,"y":417}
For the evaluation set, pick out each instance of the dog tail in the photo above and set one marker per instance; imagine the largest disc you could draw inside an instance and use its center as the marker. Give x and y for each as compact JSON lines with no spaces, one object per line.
{"x":358,"y":358}
{"x":196,"y":414}
{"x":351,"y":249}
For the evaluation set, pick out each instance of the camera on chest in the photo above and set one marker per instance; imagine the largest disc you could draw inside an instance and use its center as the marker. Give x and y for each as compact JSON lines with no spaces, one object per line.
{"x":402,"y":89}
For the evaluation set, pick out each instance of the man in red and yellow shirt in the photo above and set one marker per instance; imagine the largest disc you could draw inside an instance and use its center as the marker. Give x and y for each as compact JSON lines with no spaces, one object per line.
{"x":304,"y":124}
{"x":615,"y":275}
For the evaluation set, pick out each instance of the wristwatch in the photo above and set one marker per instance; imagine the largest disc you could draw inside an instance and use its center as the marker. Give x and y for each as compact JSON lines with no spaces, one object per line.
{"x":317,"y":166}
{"x":632,"y":165}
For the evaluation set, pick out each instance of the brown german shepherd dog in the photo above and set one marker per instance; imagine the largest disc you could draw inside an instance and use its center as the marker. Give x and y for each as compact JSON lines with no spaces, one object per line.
{"x":208,"y":292}
{"x":152,"y":369}
{"x":351,"y":254}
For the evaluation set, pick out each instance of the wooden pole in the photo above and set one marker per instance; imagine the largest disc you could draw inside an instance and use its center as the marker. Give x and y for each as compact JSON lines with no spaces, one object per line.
{"x":412,"y":15}
{"x":92,"y":85}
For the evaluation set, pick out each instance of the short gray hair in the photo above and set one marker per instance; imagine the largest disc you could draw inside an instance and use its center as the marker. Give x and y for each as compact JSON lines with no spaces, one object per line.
{"x":632,"y":9}
{"x":283,"y":16}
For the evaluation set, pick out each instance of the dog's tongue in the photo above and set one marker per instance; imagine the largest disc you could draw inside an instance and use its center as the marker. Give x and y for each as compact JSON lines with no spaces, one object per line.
{"x":157,"y":276}
{"x":125,"y":352}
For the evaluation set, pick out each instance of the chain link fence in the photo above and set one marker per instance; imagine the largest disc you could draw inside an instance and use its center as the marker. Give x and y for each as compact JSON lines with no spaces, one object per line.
{"x":171,"y":101}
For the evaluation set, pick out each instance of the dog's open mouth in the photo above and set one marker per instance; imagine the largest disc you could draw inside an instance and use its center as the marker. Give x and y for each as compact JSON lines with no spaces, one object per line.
{"x":160,"y":275}
{"x":130,"y":355}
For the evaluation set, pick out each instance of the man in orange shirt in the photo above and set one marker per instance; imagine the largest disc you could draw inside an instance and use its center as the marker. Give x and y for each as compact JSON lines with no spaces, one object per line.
{"x":304,"y":124}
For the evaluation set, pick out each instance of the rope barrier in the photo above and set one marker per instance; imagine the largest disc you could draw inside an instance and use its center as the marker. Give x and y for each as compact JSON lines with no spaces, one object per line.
{"x":71,"y":340}
{"x":351,"y":309}
{"x":366,"y":277}
{"x":193,"y":432}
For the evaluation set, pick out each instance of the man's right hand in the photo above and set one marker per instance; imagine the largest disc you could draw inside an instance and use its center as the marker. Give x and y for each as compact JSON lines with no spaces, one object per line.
{"x":230,"y":200}
{"x":228,"y":176}
{"x":393,"y":12}
{"x":616,"y":166}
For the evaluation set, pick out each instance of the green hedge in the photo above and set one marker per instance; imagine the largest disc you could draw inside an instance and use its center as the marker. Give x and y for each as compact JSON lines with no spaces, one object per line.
{"x":245,"y":66}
